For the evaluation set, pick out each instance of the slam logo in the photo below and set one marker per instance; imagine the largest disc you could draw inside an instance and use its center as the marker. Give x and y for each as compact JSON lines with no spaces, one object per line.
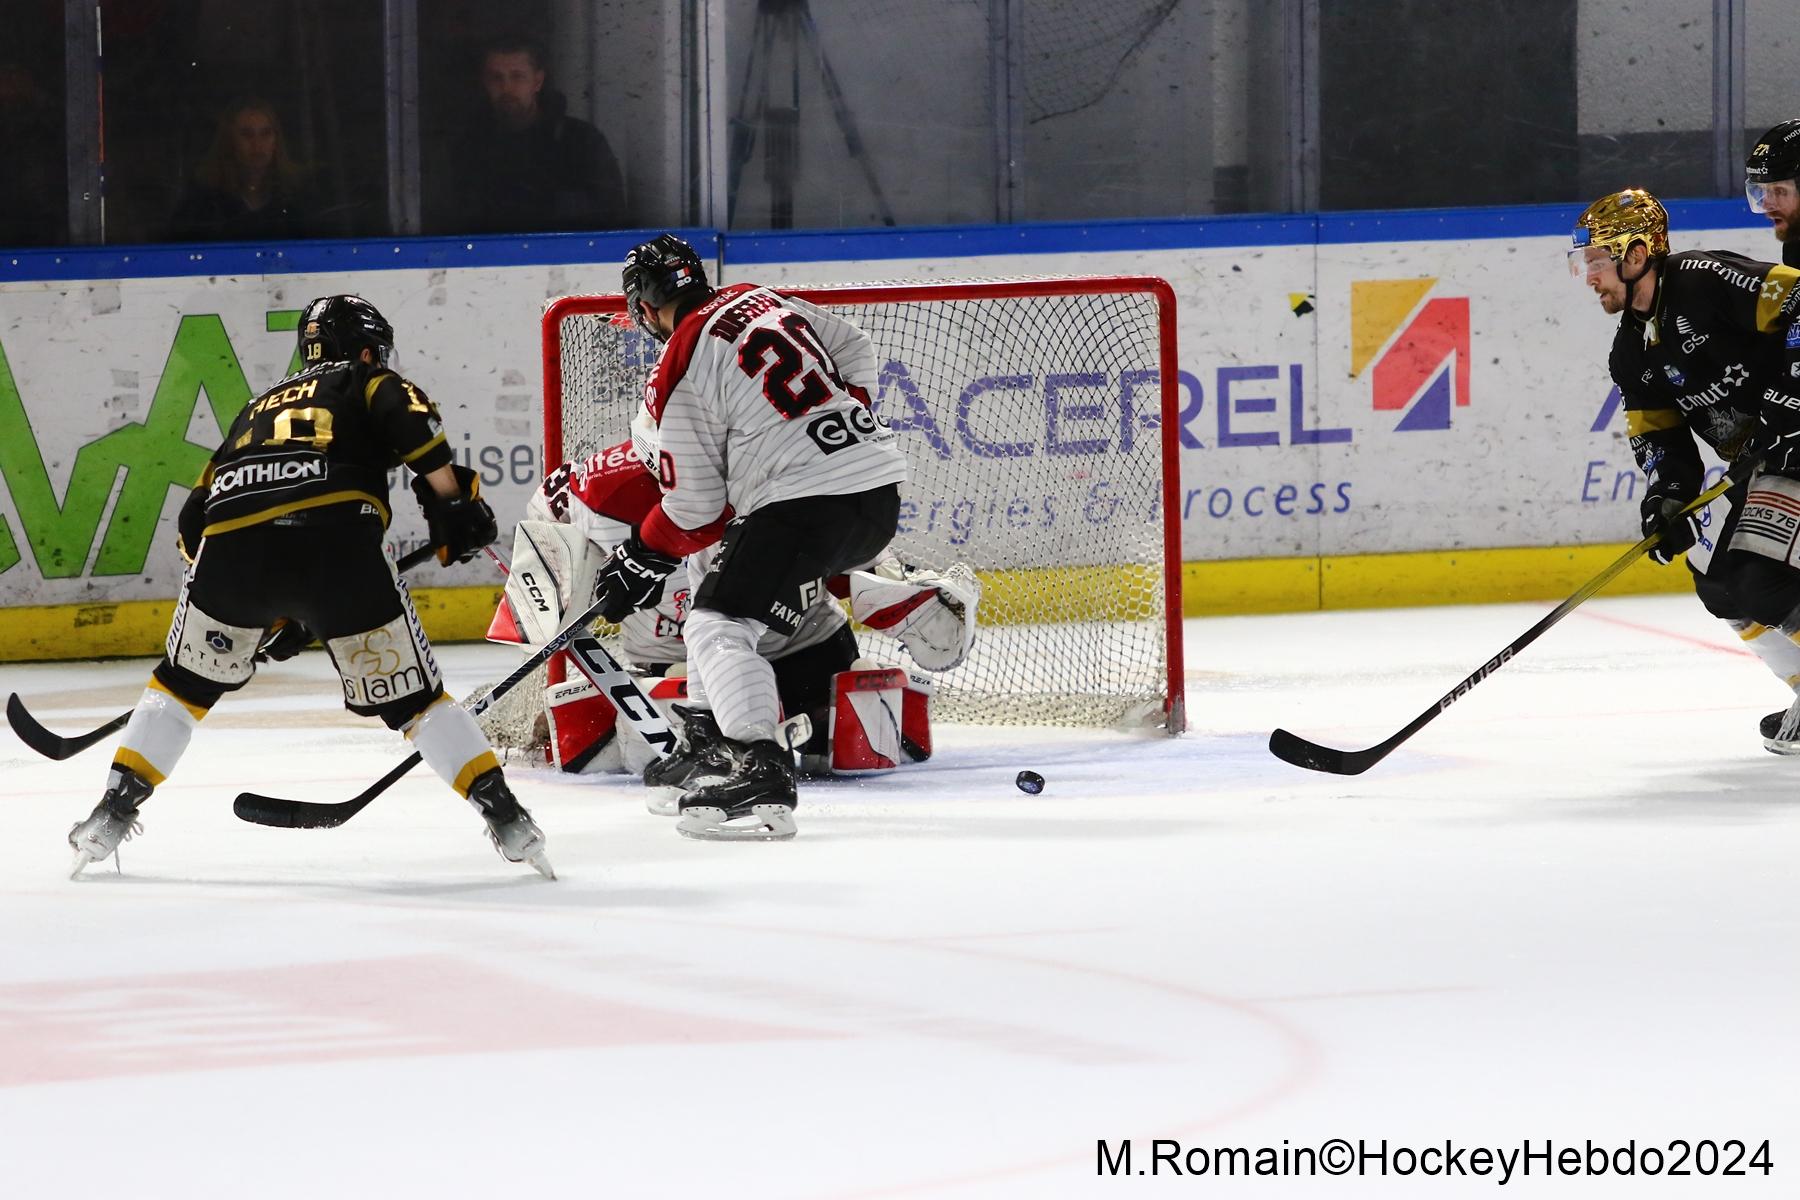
{"x":1415,"y":350}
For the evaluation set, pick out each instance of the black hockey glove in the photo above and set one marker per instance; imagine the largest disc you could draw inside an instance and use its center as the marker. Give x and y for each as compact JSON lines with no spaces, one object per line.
{"x":1662,"y":514}
{"x":460,"y":525}
{"x":632,"y":578}
{"x":286,"y":639}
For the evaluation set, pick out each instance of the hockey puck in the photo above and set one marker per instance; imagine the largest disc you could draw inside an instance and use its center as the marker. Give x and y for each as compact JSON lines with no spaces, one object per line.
{"x":1030,"y":782}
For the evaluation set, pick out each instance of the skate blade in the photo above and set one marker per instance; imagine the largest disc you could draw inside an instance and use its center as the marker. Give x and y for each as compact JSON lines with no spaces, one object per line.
{"x":82,"y":859}
{"x":663,"y":801}
{"x":764,"y":823}
{"x":540,"y":863}
{"x":1779,"y":746}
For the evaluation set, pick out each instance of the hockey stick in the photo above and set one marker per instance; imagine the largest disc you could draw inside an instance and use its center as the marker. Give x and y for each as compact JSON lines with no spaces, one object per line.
{"x":595,"y":662}
{"x":1311,"y":755}
{"x":54,"y":746}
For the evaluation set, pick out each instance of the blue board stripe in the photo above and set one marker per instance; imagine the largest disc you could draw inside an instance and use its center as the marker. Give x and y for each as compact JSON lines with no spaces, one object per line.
{"x":840,"y":245}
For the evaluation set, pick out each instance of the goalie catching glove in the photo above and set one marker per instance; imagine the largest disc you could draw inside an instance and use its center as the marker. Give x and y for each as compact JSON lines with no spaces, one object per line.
{"x":461,"y":524}
{"x":1661,"y":513}
{"x":632,"y":578}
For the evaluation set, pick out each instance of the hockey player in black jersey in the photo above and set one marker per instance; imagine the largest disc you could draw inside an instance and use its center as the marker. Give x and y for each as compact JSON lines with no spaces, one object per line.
{"x":284,"y":540}
{"x":1701,"y":356}
{"x":1772,"y":185}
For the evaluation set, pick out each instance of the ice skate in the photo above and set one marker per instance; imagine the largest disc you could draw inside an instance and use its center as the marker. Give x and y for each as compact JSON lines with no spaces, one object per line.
{"x":754,"y":803}
{"x":1781,"y":730}
{"x":514,"y":834}
{"x":114,"y":820}
{"x":703,"y":758}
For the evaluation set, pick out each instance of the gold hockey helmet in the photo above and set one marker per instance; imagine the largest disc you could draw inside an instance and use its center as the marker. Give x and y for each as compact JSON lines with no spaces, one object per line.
{"x":1614,"y":223}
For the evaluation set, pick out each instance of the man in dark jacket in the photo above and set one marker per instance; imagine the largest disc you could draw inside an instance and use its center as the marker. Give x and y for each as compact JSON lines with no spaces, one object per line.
{"x":528,"y":166}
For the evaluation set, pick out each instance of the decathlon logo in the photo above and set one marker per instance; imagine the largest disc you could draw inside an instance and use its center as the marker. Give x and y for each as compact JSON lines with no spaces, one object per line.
{"x":259,"y":475}
{"x":1415,"y":350}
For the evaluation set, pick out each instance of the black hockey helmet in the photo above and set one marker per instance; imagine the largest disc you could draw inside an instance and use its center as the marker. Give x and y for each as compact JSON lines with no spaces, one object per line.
{"x":661,"y":272}
{"x":1776,"y":157}
{"x":337,"y":328}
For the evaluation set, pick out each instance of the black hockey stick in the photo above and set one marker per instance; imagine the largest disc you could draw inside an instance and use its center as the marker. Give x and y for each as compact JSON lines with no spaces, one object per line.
{"x":51,"y":745}
{"x":594,"y":660}
{"x":54,"y":746}
{"x":1297,"y":750}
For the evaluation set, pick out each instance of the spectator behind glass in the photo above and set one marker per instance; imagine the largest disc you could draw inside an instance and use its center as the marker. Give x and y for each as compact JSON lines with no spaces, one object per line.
{"x":34,"y":196}
{"x":527,"y":166}
{"x":248,"y":189}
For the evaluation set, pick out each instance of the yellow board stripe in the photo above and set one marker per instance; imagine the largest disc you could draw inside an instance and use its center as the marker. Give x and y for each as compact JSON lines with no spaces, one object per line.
{"x":1225,"y":588}
{"x":133,"y":761}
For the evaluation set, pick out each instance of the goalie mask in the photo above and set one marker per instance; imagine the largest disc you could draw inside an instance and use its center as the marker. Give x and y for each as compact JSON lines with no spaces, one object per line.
{"x":660,"y":273}
{"x":339,"y":328}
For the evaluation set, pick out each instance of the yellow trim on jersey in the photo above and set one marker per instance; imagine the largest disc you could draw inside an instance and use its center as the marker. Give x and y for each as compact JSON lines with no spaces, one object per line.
{"x":131,"y":760}
{"x":434,"y":442}
{"x":269,"y":514}
{"x":369,"y":387}
{"x":1640,"y":421}
{"x":1778,"y":286}
{"x":194,"y":710}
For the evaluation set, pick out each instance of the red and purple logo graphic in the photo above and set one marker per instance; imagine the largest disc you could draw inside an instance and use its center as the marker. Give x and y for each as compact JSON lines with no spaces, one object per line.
{"x":1415,"y":349}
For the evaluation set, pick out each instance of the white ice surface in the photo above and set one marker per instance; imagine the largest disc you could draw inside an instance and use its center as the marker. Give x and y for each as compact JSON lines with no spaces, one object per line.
{"x":1565,"y":910}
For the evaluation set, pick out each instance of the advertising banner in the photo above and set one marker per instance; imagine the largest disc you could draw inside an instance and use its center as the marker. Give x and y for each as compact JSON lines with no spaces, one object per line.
{"x":1348,"y":386}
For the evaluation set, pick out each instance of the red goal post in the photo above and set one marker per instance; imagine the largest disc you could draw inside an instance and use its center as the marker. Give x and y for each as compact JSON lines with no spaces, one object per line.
{"x":1041,"y":420}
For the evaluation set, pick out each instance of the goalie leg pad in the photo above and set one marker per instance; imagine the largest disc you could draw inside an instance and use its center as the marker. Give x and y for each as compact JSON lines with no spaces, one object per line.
{"x":932,"y":614}
{"x":583,"y":728}
{"x":866,"y":720}
{"x":915,"y":719}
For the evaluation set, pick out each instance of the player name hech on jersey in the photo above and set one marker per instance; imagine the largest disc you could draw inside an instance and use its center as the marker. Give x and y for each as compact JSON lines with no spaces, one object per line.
{"x":778,"y":388}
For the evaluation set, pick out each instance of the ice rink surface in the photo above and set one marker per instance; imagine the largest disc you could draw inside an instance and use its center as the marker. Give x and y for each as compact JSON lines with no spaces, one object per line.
{"x":1566,"y":910}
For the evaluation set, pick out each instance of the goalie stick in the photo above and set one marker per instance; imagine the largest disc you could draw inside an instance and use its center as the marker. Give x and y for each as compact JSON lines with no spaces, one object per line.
{"x":1312,"y":756}
{"x":54,"y":746}
{"x":593,"y":660}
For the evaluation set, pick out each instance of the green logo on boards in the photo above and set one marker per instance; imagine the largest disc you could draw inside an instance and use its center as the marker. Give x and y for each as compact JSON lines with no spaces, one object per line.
{"x":141,"y":461}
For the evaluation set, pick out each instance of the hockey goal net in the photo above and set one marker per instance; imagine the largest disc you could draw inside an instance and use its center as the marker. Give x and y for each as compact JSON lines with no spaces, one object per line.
{"x":1039,"y":417}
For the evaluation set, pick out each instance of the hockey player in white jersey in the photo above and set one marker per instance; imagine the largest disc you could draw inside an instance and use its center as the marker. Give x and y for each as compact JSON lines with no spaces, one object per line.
{"x":759,"y":431}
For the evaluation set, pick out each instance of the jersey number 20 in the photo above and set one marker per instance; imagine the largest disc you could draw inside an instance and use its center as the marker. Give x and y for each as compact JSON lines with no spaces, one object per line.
{"x":787,"y":382}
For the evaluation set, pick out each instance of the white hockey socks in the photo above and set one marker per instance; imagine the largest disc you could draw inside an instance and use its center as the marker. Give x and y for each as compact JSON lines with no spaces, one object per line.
{"x":452,"y":744}
{"x":1777,"y":650}
{"x":158,"y":733}
{"x":932,"y":614}
{"x":740,"y":683}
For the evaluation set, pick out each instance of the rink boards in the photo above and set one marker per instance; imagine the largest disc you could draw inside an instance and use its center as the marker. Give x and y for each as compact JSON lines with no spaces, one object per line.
{"x":1376,"y":408}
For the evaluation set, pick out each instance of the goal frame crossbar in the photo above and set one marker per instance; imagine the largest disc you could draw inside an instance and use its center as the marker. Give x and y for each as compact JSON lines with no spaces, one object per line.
{"x":612,"y":306}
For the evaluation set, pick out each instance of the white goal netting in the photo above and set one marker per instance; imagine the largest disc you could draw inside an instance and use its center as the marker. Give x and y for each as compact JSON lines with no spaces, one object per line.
{"x":1037,"y":416}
